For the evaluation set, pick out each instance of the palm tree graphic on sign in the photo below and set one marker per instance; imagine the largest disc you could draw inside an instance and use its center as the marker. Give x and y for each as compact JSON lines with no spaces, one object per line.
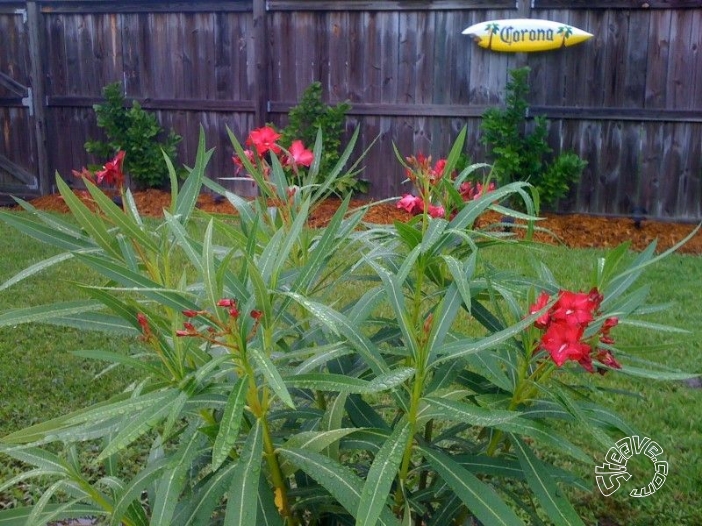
{"x":566,"y":31}
{"x":491,"y":29}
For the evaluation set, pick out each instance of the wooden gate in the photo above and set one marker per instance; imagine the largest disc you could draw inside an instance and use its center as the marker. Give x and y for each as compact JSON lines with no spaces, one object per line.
{"x":22,"y":150}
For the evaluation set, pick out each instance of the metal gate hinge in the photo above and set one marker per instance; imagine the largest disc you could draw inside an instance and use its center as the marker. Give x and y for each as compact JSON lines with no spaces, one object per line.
{"x":22,"y":12}
{"x":28,"y":102}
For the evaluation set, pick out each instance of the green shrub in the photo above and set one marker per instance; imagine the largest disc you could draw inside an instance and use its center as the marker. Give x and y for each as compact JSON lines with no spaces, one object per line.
{"x":311,"y":115}
{"x":520,"y":149}
{"x":138,"y":133}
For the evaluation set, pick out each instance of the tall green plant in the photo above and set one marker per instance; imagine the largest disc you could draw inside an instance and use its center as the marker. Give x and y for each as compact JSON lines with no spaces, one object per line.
{"x":136,"y":132}
{"x":291,"y":375}
{"x":519,"y":148}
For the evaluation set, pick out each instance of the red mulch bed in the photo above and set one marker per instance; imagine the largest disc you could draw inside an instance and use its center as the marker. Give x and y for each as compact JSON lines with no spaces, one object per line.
{"x":573,"y":230}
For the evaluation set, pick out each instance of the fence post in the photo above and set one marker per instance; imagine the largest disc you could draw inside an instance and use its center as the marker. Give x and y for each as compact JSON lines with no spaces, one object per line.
{"x":36,"y":56}
{"x":261,"y":86}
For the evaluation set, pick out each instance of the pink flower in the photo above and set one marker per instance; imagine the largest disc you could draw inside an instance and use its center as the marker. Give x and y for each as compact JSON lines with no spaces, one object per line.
{"x":437,"y":211}
{"x":299,"y":155}
{"x":608,"y":324}
{"x":562,"y":342}
{"x":411,"y":204}
{"x":84,"y":173}
{"x":112,"y":172}
{"x":437,"y":172}
{"x":574,"y":308}
{"x":188,"y":330}
{"x":470,"y":191}
{"x":143,"y":323}
{"x":565,"y":324}
{"x":239,"y":163}
{"x":264,"y":140}
{"x":542,"y":321}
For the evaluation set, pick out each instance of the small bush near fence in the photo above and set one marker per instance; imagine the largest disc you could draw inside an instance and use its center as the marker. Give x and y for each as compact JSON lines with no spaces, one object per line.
{"x":520,"y":152}
{"x":137,"y":133}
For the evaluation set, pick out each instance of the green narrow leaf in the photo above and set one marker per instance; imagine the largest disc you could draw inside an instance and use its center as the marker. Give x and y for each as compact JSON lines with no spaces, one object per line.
{"x":131,"y":406}
{"x":546,"y":435}
{"x":381,"y":474}
{"x":322,"y":249}
{"x":229,"y":425}
{"x":340,"y":481}
{"x":114,"y":213}
{"x":469,"y":414}
{"x":96,"y":321}
{"x":327,"y":382}
{"x":209,"y":272}
{"x":333,"y":419}
{"x":91,"y":222}
{"x":132,"y":492}
{"x":547,"y":492}
{"x":244,"y":487}
{"x":205,"y":499}
{"x":325,"y":354}
{"x":172,"y":298}
{"x":260,"y":291}
{"x":461,"y":274}
{"x":462,"y":348}
{"x":481,"y":499}
{"x":268,"y":514}
{"x":44,"y":313}
{"x":139,"y":424}
{"x":187,"y":198}
{"x":175,"y":478}
{"x":659,"y":374}
{"x":35,"y":269}
{"x":46,"y":234}
{"x":37,"y":457}
{"x":396,"y":298}
{"x":349,"y":384}
{"x":444,"y":317}
{"x":314,"y":441}
{"x":433,"y":234}
{"x":340,"y":324}
{"x":57,"y":512}
{"x":270,"y":372}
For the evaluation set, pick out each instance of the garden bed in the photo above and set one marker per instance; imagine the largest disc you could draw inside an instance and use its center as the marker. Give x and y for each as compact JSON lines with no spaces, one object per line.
{"x":572,"y":230}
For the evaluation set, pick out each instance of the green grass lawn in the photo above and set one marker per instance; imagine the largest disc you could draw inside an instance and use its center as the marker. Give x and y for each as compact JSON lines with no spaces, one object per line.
{"x":40,"y":379}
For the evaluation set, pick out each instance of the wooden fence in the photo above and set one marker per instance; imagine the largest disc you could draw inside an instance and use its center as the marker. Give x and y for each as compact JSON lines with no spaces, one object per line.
{"x":629,"y":100}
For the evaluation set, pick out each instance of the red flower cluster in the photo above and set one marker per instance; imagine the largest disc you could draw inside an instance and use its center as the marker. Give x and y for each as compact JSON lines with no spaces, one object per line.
{"x":415,"y":206}
{"x":264,"y":140}
{"x":112,"y":172}
{"x":564,"y":326}
{"x":420,"y":171}
{"x":470,"y":191}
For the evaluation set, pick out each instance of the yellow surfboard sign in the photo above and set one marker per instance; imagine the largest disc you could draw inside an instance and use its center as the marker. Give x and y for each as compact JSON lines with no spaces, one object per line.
{"x":520,"y":35}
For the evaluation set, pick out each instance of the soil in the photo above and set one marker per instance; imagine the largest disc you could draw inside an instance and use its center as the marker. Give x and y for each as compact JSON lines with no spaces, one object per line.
{"x":572,"y":230}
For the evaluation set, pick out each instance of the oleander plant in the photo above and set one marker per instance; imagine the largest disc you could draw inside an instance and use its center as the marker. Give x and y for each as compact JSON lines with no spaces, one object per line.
{"x":297,"y":375}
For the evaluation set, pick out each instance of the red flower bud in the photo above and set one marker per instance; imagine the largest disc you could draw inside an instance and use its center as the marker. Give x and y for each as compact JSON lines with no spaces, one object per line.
{"x":226,"y":302}
{"x":256,"y":314}
{"x":143,"y":322}
{"x":190,"y":313}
